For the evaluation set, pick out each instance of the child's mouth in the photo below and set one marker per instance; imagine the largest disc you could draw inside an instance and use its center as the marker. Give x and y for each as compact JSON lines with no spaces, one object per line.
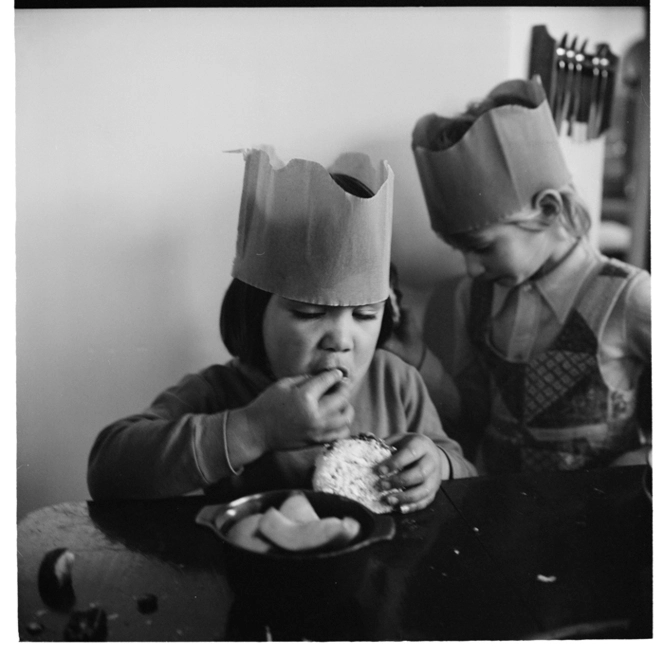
{"x":338,"y":385}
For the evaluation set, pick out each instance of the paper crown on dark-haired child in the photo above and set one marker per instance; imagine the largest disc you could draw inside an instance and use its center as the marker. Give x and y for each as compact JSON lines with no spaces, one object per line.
{"x":509,"y":154}
{"x":302,"y":236}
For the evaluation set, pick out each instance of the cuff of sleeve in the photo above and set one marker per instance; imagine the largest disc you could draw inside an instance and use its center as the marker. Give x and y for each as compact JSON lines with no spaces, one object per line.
{"x":449,"y":461}
{"x":211,"y":448}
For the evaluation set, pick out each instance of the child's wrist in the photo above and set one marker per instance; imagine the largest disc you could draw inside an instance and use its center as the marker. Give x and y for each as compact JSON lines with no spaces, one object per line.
{"x":249,"y":424}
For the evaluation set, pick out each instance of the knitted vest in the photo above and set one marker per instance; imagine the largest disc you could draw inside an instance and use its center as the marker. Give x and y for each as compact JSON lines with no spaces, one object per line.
{"x":556,"y":412}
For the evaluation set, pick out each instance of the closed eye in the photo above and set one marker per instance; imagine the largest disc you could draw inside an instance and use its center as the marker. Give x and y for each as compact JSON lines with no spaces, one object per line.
{"x":303,"y":314}
{"x":476,"y":247}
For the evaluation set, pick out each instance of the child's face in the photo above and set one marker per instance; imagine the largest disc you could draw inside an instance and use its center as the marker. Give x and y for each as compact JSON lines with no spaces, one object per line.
{"x":302,"y":338}
{"x":508,"y":255}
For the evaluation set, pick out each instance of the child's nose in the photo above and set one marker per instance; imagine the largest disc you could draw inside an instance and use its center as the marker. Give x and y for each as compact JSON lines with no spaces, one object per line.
{"x":338,"y":336}
{"x":474,"y":265}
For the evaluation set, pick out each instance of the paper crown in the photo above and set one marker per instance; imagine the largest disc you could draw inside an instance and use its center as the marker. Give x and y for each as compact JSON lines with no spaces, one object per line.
{"x":508,"y":155}
{"x":300,"y":235}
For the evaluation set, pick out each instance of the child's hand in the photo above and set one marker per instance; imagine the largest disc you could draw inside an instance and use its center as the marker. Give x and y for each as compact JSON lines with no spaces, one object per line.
{"x":301,"y":411}
{"x":418,"y":466}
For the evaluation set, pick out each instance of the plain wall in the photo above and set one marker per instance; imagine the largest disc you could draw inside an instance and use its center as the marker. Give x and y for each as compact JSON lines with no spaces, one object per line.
{"x":127,"y":202}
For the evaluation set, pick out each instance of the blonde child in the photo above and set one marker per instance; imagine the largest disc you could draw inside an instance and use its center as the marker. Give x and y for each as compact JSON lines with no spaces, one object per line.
{"x":550,"y":338}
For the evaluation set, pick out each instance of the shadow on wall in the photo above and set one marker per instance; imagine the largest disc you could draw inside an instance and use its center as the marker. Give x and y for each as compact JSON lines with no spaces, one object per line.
{"x":437,"y":323}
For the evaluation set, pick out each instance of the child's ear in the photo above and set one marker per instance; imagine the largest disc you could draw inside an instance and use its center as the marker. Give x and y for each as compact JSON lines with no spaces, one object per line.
{"x":549,"y":201}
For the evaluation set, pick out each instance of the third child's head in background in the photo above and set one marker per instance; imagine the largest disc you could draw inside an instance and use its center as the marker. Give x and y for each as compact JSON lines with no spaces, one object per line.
{"x":497,"y":187}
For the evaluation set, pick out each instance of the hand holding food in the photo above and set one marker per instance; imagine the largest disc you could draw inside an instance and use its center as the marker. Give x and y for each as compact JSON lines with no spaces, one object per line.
{"x":349,"y":468}
{"x":299,"y":411}
{"x":295,"y":527}
{"x":416,"y":469}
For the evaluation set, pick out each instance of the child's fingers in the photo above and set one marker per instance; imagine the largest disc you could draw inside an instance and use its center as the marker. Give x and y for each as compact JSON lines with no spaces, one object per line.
{"x":417,"y":506}
{"x":341,"y":418}
{"x":414,"y":498}
{"x":332,"y":435}
{"x":414,"y":475}
{"x":408,"y":452}
{"x":316,"y":386}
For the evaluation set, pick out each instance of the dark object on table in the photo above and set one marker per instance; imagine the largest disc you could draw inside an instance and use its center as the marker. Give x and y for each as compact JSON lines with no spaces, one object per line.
{"x":147,"y":604}
{"x":90,"y":625}
{"x":34,"y":628}
{"x":291,"y":574}
{"x":54,"y":579}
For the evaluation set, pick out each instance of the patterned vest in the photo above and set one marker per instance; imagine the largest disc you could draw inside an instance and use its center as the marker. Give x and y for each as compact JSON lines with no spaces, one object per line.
{"x":555,"y":412}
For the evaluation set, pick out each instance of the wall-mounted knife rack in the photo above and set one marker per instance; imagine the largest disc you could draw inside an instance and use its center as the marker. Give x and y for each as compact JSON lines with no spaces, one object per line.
{"x":579,"y":84}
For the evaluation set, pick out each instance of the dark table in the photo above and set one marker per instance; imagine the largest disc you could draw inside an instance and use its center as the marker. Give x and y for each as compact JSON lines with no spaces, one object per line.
{"x":533,"y":556}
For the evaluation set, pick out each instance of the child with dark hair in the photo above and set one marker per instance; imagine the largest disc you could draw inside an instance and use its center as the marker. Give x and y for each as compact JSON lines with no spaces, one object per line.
{"x":550,"y":338}
{"x":303,"y":316}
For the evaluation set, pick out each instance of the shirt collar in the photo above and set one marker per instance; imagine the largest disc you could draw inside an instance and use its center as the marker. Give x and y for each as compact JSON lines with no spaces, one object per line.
{"x":559,"y":287}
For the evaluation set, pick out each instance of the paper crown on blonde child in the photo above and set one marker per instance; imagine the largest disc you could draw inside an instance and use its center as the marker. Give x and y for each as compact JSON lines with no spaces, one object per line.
{"x":302,"y":236}
{"x":509,"y":154}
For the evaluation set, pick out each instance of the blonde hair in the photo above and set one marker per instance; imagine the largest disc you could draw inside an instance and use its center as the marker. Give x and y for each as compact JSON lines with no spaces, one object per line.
{"x":574,"y":217}
{"x":574,"y":214}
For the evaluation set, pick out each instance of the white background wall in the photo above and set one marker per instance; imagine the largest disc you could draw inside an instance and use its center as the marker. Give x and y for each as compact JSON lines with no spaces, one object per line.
{"x":127,"y":204}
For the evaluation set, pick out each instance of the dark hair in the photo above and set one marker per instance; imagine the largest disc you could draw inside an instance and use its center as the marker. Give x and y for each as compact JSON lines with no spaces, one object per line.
{"x":243,"y":306}
{"x":241,"y":322}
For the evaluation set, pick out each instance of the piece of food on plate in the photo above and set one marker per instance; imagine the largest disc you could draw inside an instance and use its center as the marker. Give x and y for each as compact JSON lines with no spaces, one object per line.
{"x":329,"y":532}
{"x":245,"y":534}
{"x":297,"y":508}
{"x":348,"y":468}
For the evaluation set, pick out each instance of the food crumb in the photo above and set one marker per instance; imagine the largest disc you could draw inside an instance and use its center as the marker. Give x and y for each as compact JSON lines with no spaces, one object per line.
{"x":547,"y":578}
{"x":147,"y":604}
